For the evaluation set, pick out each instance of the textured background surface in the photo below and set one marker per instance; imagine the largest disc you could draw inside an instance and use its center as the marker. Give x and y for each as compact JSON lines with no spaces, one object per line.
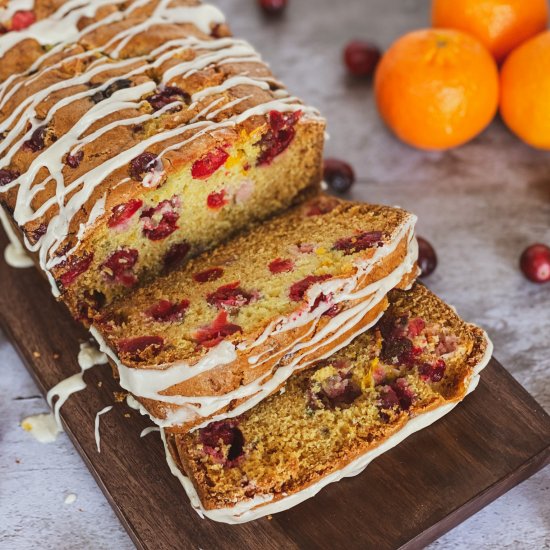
{"x":479,"y":205}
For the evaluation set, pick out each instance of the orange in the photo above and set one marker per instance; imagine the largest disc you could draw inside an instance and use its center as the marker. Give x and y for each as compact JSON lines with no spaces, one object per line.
{"x":500,"y":24}
{"x":437,"y":89}
{"x":525,"y":84}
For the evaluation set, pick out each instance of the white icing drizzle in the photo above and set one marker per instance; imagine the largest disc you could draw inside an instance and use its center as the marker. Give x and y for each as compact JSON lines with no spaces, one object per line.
{"x":96,"y":426}
{"x":147,"y":431}
{"x":262,"y":505}
{"x":80,"y":191}
{"x":63,"y":391}
{"x":150,"y":383}
{"x":42,"y":427}
{"x":88,"y":357}
{"x":14,"y":254}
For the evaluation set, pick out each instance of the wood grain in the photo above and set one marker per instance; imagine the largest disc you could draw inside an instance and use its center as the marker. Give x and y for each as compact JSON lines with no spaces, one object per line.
{"x":408,"y":497}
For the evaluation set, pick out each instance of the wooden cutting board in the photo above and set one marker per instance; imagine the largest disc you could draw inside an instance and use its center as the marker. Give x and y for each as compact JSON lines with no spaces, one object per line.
{"x":408,"y":497}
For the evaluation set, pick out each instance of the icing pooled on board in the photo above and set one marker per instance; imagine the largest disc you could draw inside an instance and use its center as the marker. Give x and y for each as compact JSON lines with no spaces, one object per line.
{"x":42,"y":427}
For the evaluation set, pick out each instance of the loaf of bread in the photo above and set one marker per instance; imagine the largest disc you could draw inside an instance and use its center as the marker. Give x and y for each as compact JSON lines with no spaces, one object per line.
{"x":135,"y":134}
{"x":221,"y":333}
{"x":333,"y":419}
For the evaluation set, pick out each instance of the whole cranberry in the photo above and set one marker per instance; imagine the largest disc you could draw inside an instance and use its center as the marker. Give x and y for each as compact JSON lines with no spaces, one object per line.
{"x":361,"y":57}
{"x":273,"y":7}
{"x":427,"y":258}
{"x":338,"y":174}
{"x":535,"y":263}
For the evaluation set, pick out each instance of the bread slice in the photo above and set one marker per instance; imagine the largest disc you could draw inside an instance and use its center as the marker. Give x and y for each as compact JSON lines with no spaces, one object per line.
{"x":146,"y":136}
{"x":223,"y":332}
{"x":333,"y":419}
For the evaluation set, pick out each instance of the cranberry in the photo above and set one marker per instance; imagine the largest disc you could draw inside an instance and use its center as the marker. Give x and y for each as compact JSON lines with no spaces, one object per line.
{"x":280,"y":265}
{"x":7,"y":176}
{"x":120,"y":84}
{"x":388,"y":398}
{"x":361,"y":241}
{"x":392,"y":327}
{"x":74,"y":160}
{"x":438,"y":371}
{"x":427,"y":258}
{"x":416,"y":326}
{"x":224,"y":433}
{"x":219,"y":329}
{"x":273,"y":7}
{"x":210,"y":163}
{"x":397,"y":351}
{"x":298,"y":290}
{"x":140,"y":343}
{"x":434,"y":372}
{"x":76,"y":267}
{"x":167,"y":95}
{"x":36,"y":234}
{"x":404,"y":393}
{"x":321,"y":298}
{"x":229,"y":296}
{"x":338,"y":390}
{"x":338,"y":174}
{"x":361,"y":57}
{"x":141,"y":165}
{"x":36,"y":142}
{"x":535,"y":263}
{"x":156,"y":229}
{"x":279,"y":136}
{"x":119,"y":266}
{"x":164,"y":310}
{"x":22,"y":19}
{"x":333,"y":311}
{"x":208,"y":275}
{"x":175,"y":256}
{"x":215,"y":201}
{"x":321,"y":207}
{"x":217,"y":433}
{"x":123,"y":212}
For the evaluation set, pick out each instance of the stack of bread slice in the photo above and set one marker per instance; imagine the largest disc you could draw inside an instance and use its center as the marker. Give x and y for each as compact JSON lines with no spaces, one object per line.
{"x":168,"y":186}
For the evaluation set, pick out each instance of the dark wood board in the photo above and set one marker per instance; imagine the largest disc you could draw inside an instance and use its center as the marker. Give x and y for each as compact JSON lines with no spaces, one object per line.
{"x":405,"y":499}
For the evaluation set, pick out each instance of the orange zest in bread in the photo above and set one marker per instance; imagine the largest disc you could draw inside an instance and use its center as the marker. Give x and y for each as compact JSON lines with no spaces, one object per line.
{"x":241,"y":295}
{"x":148,"y":136}
{"x":418,"y":357}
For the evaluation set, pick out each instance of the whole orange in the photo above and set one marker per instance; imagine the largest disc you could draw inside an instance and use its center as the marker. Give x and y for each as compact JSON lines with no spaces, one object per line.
{"x":437,"y":89}
{"x":525,"y":86}
{"x":500,"y":24}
